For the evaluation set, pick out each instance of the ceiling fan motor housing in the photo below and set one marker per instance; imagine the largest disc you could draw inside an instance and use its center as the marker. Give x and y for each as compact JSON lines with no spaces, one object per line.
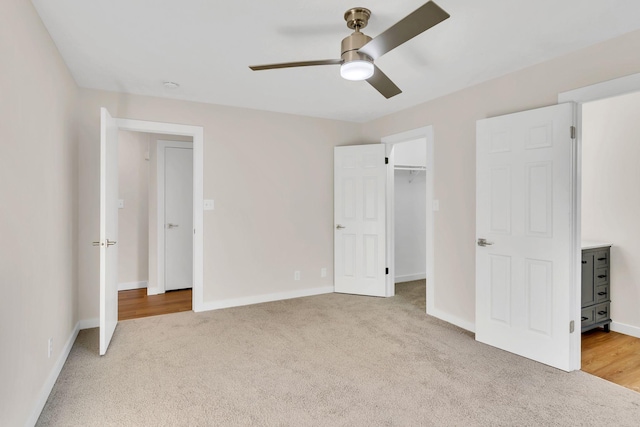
{"x":350,"y":46}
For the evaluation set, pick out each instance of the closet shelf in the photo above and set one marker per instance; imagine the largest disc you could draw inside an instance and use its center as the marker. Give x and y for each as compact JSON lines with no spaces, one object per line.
{"x":410,"y":168}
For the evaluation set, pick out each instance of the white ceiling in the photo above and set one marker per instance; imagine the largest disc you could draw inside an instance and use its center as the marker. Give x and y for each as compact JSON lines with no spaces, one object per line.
{"x":207,"y":45}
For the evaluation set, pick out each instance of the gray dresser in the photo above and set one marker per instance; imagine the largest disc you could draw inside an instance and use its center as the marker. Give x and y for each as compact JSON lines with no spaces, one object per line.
{"x":596,"y":295}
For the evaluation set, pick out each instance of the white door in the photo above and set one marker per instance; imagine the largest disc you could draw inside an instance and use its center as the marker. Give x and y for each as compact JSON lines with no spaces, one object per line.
{"x":524,"y":203}
{"x":108,"y":228}
{"x":178,"y":214}
{"x":360,"y":175}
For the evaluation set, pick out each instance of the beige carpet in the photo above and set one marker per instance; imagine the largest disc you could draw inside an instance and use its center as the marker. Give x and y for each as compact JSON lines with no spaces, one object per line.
{"x":329,"y":360}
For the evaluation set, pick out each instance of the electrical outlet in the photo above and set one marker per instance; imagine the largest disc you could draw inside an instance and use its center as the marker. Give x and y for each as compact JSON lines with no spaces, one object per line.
{"x":323,"y":272}
{"x":296,"y":275}
{"x":50,"y":348}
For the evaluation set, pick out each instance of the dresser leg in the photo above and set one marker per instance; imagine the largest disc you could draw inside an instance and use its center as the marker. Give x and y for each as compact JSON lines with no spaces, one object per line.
{"x":606,"y":328}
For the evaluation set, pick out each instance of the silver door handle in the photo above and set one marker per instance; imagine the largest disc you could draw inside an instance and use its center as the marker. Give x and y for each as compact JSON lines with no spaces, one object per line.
{"x":169,"y":225}
{"x":340,"y":227}
{"x":95,"y":243}
{"x":483,"y":242}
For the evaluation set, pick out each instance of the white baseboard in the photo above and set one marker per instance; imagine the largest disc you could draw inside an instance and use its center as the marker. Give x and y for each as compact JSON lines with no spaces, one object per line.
{"x":132,"y":285}
{"x":237,"y":302}
{"x":45,"y":391}
{"x":454,"y":320}
{"x":411,"y":277}
{"x":89,"y":323}
{"x":634,"y":331}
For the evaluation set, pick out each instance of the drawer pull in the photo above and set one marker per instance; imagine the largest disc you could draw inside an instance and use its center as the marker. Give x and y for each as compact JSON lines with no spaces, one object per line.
{"x":584,"y":318}
{"x":602,"y":313}
{"x":602,"y":293}
{"x":584,"y":262}
{"x":602,"y":259}
{"x":602,"y":276}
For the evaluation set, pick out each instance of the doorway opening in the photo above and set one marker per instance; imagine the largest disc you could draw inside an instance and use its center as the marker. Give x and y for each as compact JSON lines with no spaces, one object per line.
{"x":410,"y":206}
{"x":607,"y":154}
{"x":154,"y":182}
{"x":610,"y":207}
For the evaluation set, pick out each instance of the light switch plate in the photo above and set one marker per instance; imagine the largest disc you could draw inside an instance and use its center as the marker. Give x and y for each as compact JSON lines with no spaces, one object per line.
{"x":120,"y":203}
{"x":208,"y":205}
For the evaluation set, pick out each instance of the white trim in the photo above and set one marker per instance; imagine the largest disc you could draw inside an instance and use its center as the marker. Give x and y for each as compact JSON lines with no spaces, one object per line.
{"x":454,"y":320}
{"x":132,"y":285}
{"x":197,"y":133}
{"x":410,"y":277}
{"x":595,"y":92}
{"x":257,"y":299}
{"x":46,"y":388}
{"x":160,"y":229}
{"x":623,"y":328}
{"x":426,"y":133}
{"x":89,"y":323}
{"x":608,"y":89}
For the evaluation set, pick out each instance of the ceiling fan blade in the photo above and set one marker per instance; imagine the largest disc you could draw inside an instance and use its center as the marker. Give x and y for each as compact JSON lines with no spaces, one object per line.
{"x":383,"y":84}
{"x":296,"y":64}
{"x":423,"y":18}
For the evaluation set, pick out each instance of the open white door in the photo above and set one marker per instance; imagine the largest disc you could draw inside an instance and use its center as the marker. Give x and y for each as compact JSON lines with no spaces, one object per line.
{"x":360,"y":175}
{"x":108,"y":228}
{"x":525,"y":247}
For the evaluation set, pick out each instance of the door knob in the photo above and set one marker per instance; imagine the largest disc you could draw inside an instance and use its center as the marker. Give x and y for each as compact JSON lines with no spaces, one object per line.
{"x":340,"y":227}
{"x":111,"y":242}
{"x":170,"y":225}
{"x":95,"y":243}
{"x":483,"y":242}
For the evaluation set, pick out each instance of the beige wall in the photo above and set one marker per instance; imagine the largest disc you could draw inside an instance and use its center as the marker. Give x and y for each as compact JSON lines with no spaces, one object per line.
{"x":610,"y":196}
{"x":38,"y":182}
{"x":271,"y":178}
{"x":454,"y":119}
{"x":133,"y":219}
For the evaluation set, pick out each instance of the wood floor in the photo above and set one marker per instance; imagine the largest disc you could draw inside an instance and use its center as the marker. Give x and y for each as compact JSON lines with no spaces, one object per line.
{"x":612,"y":356}
{"x":135,"y":303}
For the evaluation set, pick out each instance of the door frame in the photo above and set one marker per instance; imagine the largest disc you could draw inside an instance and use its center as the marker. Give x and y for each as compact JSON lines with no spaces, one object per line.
{"x":161,"y":230}
{"x":197,"y":133}
{"x":607,"y":89}
{"x":425,"y":132}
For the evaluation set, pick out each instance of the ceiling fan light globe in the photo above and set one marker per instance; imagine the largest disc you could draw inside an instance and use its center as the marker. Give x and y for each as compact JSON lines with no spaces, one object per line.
{"x":356,"y":70}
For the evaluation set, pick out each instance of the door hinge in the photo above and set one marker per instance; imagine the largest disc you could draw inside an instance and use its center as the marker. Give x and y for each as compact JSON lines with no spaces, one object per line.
{"x":572,"y":326}
{"x":573,"y":132}
{"x":386,"y":270}
{"x":386,"y":160}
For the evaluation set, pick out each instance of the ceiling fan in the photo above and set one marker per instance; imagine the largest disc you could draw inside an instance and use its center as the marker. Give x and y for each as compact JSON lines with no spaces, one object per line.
{"x":359,"y":51}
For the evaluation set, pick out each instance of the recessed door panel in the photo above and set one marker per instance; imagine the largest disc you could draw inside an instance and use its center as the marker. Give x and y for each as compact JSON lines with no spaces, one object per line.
{"x":539,"y":214}
{"x":500,"y":282}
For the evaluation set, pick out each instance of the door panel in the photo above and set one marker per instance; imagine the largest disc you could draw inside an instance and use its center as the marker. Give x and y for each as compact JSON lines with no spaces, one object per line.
{"x":524,"y":204}
{"x":108,"y":228}
{"x":360,"y":220}
{"x":178,"y":201}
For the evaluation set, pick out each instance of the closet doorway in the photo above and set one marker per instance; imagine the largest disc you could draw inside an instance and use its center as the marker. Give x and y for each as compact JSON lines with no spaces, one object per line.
{"x":410,"y":209}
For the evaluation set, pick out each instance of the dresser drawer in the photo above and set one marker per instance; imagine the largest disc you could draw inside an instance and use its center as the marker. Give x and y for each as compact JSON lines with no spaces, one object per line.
{"x":588,"y":316}
{"x":602,"y":293}
{"x":602,"y":259}
{"x":601,"y":276}
{"x":602,"y":312}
